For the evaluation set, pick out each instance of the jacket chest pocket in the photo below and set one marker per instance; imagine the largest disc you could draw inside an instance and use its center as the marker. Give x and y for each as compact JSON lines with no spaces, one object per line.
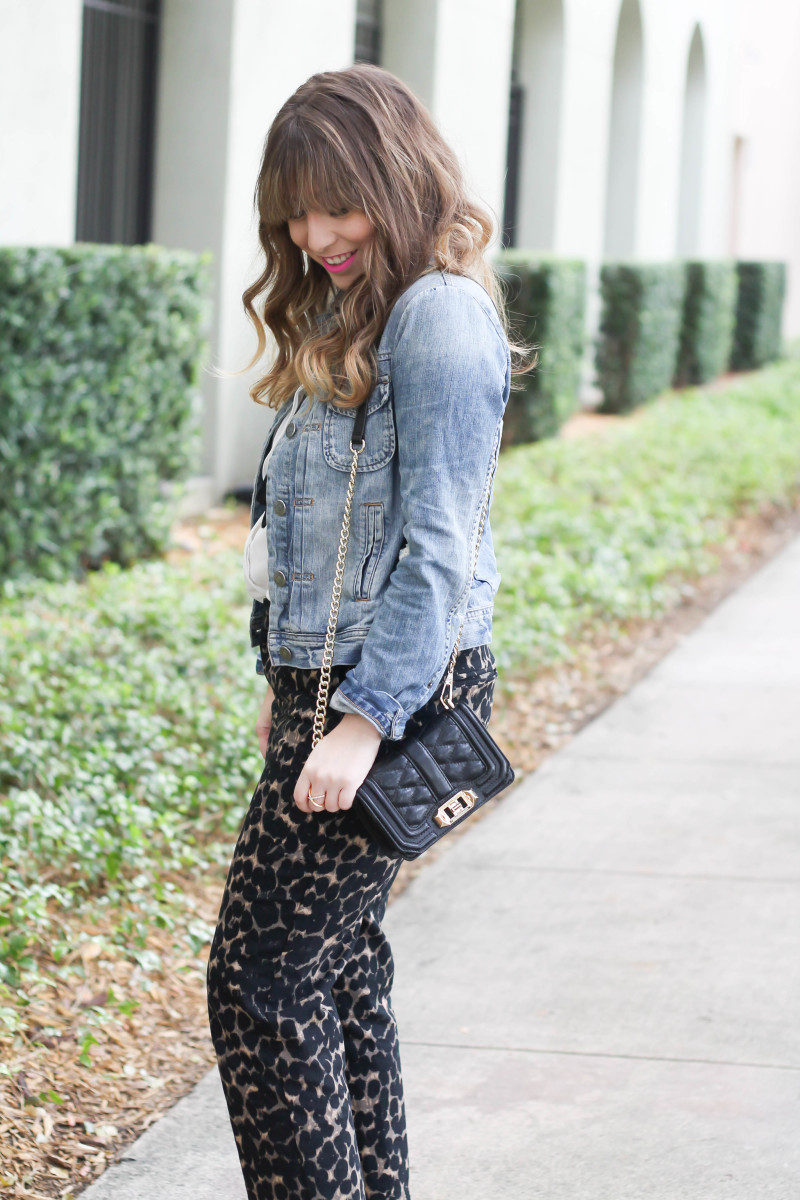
{"x":379,"y":432}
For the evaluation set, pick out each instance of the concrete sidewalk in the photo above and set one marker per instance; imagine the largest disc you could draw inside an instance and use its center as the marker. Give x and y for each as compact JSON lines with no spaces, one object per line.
{"x":598,"y":988}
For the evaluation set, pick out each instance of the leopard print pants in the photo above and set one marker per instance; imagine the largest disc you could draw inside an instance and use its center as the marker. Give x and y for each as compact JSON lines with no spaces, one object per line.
{"x":300,"y":973}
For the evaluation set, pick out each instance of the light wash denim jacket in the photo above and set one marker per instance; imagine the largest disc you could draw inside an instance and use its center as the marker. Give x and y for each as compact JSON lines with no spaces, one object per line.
{"x":443,"y":383}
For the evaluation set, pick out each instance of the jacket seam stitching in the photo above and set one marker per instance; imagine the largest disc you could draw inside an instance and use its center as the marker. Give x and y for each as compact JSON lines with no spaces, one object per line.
{"x":438,"y":287}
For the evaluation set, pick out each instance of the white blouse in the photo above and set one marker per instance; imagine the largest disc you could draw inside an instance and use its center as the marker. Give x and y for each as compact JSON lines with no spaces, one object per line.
{"x":255,"y":548}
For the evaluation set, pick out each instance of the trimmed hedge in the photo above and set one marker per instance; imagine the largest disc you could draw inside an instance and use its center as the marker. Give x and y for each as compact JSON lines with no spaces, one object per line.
{"x":101,"y":348}
{"x":640,"y":324}
{"x":546,"y":298}
{"x":593,"y":533}
{"x":709,"y":317}
{"x":759,"y":314}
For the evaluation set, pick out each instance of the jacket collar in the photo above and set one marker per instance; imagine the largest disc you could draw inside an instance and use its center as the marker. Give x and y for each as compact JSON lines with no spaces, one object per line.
{"x":327,"y":313}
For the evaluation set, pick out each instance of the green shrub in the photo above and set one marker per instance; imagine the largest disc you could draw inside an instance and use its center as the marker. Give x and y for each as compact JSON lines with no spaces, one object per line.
{"x":759,"y":314}
{"x":709,"y":316}
{"x":546,"y":300}
{"x":99,"y":421}
{"x":127,"y":740}
{"x":594,"y":531}
{"x":640,"y":322}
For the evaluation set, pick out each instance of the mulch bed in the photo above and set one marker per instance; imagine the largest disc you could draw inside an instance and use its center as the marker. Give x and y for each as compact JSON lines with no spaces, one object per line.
{"x":144,"y":1062}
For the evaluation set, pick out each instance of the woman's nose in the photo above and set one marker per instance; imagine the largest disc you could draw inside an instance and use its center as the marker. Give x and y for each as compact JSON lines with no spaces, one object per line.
{"x":321,"y":238}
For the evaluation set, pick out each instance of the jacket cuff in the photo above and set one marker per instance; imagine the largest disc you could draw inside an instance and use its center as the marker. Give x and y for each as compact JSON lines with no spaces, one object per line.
{"x":388,"y":717}
{"x":259,"y":662}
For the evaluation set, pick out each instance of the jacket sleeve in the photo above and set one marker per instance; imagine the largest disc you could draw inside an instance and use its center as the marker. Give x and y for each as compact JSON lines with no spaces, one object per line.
{"x":449,"y":378}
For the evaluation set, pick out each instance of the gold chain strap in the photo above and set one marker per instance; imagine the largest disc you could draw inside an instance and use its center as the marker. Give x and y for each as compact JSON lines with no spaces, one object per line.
{"x":447,"y":690}
{"x":330,"y":633}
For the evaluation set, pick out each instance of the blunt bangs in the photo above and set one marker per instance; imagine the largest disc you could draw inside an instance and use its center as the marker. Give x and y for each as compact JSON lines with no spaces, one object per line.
{"x":307,"y":172}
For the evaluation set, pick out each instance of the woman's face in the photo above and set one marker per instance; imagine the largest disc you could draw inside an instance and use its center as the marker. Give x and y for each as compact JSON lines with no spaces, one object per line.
{"x":338,"y":236}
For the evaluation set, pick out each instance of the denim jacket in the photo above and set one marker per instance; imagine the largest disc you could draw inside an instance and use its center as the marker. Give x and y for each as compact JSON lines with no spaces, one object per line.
{"x":442,"y":386}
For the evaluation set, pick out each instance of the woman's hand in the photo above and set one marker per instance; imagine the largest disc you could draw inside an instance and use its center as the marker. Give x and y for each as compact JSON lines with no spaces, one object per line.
{"x":264,"y":721}
{"x":338,"y":764}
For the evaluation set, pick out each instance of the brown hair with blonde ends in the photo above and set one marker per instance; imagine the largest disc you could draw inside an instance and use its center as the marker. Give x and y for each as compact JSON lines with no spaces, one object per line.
{"x":357,"y":139}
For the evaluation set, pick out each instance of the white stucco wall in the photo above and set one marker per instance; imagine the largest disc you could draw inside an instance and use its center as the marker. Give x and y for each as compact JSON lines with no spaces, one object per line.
{"x":609,"y":149}
{"x":627,"y":176}
{"x":191,"y":156}
{"x":470,"y":97}
{"x":227,"y":67}
{"x":409,"y":44}
{"x":767,"y":116}
{"x":539,"y":60}
{"x":463,"y":80}
{"x":40,"y":47}
{"x":595,"y":179}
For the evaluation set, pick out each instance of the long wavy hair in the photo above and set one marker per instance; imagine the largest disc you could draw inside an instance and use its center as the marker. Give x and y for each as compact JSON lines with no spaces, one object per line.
{"x":357,"y":139}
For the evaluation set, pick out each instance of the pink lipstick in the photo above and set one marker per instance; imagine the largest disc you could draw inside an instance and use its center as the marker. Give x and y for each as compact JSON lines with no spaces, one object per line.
{"x":342,"y":266}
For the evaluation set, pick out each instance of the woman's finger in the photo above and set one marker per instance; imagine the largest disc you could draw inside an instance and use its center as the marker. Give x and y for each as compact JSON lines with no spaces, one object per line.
{"x":264,"y":723}
{"x":262,"y":732}
{"x":346,"y":798}
{"x":317,"y":788}
{"x":301,"y":791}
{"x":321,"y":794}
{"x":332,"y":800}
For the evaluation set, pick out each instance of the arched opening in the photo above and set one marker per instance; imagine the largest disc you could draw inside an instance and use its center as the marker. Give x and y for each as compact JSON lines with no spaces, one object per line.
{"x":622,"y":179}
{"x":534,"y":125}
{"x":692,"y":144}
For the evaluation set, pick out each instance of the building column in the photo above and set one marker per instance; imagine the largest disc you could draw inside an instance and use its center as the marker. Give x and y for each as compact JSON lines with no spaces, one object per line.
{"x":590,"y":28}
{"x":471,"y":88}
{"x":666,"y":56}
{"x":589,"y":33}
{"x":226,"y":68}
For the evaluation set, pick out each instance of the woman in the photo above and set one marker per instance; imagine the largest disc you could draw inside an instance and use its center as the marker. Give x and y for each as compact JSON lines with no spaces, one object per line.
{"x":375,"y":287}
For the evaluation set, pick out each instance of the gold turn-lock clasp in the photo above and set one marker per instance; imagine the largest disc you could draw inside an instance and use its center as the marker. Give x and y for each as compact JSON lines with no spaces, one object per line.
{"x":446,"y":696}
{"x":454,"y":808}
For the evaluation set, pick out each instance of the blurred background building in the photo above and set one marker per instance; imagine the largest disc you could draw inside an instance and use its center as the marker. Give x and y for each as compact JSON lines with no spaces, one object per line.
{"x":599,"y":129}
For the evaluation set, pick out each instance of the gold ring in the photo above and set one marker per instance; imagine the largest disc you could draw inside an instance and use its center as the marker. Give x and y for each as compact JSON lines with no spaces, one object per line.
{"x":317,"y":802}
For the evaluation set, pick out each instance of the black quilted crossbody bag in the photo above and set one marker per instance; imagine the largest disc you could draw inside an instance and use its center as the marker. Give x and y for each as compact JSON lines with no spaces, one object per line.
{"x":431,"y":780}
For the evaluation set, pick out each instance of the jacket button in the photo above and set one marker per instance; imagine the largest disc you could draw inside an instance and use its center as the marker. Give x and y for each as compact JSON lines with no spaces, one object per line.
{"x":291,"y":429}
{"x":279,"y":507}
{"x":279,"y":578}
{"x":285,"y":653}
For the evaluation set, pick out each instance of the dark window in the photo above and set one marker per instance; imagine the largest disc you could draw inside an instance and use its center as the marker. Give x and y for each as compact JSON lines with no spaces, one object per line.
{"x":117,"y":120}
{"x":511,"y":202}
{"x":369,"y":21}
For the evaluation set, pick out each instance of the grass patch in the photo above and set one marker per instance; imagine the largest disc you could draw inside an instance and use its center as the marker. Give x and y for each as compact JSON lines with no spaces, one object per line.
{"x":127,"y":752}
